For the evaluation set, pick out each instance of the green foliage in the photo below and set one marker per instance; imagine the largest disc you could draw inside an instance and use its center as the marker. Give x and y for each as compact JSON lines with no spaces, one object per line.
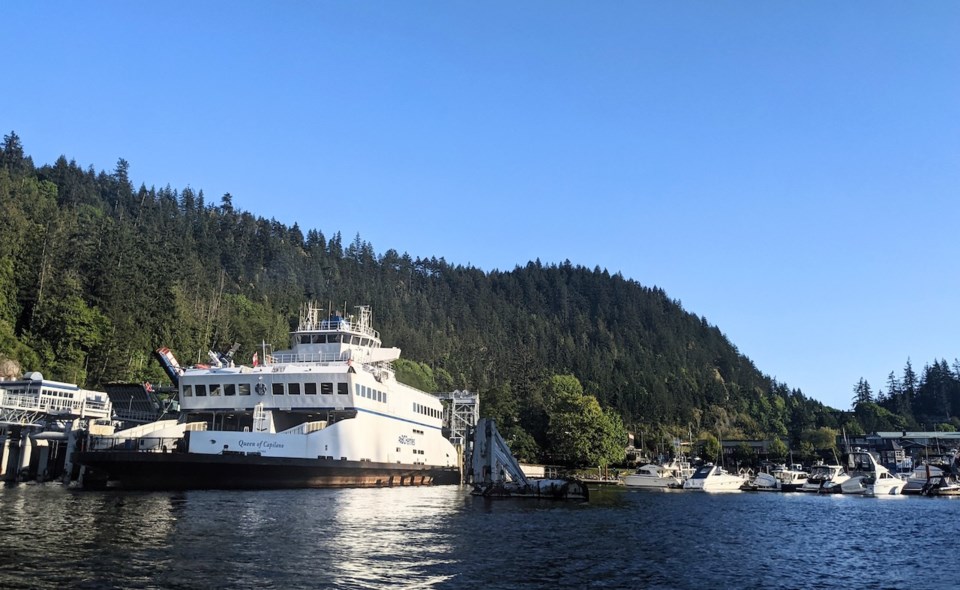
{"x":862,"y":393}
{"x":744,"y":455}
{"x":874,"y":418}
{"x":521,"y":444}
{"x":821,"y":439}
{"x":415,"y":374}
{"x":709,"y":448}
{"x":806,"y":452}
{"x":778,"y":450}
{"x":580,"y":432}
{"x":96,"y":273}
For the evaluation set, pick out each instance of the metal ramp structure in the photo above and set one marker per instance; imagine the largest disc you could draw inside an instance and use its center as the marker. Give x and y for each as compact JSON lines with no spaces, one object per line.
{"x":461,"y":411}
{"x":138,"y":403}
{"x":496,"y":472}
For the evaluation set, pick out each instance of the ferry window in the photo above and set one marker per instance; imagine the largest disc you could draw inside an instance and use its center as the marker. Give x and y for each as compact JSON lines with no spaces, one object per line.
{"x":354,"y":340}
{"x":357,"y":390}
{"x":305,"y":339}
{"x":384,"y":398}
{"x":215,"y":389}
{"x":326,"y":388}
{"x":317,"y":339}
{"x":188,"y":390}
{"x":364,"y":342}
{"x":293,"y":388}
{"x":278,"y":389}
{"x":200,"y":389}
{"x":230,"y":389}
{"x":343,"y":388}
{"x":310,"y":388}
{"x":244,"y":388}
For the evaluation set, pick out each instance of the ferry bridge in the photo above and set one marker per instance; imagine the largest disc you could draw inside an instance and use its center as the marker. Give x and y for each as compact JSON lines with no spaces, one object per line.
{"x":37,"y":415}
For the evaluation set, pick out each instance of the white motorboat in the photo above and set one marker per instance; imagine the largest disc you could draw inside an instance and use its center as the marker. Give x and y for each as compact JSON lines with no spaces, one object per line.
{"x":825,"y":479}
{"x":865,"y":474}
{"x":713,"y":478}
{"x":791,"y":479}
{"x":655,"y":476}
{"x":762,"y":482}
{"x":884,"y":484}
{"x":329,"y":412}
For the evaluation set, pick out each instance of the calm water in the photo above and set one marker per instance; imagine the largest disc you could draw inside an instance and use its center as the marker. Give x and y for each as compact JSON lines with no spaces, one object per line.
{"x":53,"y":537}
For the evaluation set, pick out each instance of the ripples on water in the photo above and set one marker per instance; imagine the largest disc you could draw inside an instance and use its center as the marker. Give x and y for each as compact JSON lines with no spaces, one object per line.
{"x":54,"y":537}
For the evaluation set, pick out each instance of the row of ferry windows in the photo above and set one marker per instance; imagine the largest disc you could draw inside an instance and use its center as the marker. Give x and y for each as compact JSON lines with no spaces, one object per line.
{"x":427,"y":411}
{"x":370,"y":393}
{"x":335,"y":339}
{"x":311,"y":388}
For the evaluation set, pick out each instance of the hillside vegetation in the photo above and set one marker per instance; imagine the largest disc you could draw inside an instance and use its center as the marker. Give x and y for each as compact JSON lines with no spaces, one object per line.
{"x":95,"y":274}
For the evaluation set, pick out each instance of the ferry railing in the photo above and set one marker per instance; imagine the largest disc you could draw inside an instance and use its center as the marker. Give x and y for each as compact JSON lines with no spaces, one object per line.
{"x":327,"y":358}
{"x":54,"y":405}
{"x":165,"y":444}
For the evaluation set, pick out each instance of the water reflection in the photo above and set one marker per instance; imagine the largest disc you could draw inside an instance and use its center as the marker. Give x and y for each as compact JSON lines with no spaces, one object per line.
{"x":443,"y":538}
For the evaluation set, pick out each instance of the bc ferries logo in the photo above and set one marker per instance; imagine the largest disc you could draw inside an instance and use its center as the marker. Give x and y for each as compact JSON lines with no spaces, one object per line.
{"x":261,"y":444}
{"x":407,"y":440}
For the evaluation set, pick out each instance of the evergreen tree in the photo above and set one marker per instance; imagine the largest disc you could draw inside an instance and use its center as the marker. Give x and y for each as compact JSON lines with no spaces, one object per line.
{"x":862,"y":394}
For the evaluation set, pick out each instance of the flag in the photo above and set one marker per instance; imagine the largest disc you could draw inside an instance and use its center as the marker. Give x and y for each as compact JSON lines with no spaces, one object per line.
{"x":256,"y":360}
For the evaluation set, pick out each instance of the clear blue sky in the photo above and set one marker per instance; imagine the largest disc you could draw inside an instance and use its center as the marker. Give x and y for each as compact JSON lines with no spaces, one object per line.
{"x":789,"y":170}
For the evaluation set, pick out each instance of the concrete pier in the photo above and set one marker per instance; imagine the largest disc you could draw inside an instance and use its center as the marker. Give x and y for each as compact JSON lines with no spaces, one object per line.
{"x":26,"y":452}
{"x":4,"y":454}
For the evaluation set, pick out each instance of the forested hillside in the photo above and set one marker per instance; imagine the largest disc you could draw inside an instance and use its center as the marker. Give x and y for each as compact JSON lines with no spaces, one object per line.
{"x":95,"y":274}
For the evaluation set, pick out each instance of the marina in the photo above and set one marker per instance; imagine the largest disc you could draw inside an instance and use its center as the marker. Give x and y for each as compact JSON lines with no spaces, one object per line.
{"x":329,"y":412}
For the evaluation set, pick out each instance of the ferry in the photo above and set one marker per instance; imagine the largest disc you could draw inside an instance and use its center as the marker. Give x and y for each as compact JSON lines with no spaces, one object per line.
{"x":328,"y":412}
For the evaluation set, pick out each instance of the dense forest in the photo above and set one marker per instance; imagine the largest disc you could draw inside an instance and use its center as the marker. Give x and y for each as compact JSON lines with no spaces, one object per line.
{"x":95,"y":274}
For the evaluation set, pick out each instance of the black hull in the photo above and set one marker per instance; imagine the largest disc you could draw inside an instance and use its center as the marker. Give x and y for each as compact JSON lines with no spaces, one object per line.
{"x":183,"y":471}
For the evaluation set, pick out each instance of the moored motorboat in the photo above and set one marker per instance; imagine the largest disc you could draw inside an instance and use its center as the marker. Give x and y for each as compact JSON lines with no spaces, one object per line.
{"x":762,"y":482}
{"x":884,"y":484}
{"x":941,"y":485}
{"x":866,"y":475}
{"x":328,"y":412}
{"x":919,"y":477}
{"x":714,"y":478}
{"x":654,"y":476}
{"x":791,"y":479}
{"x":824,"y":479}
